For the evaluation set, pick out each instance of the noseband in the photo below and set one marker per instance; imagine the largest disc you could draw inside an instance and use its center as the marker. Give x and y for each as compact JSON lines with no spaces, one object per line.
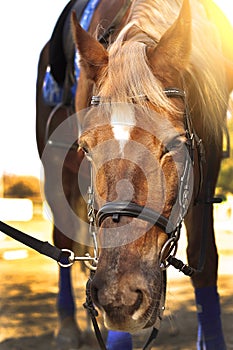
{"x":117,"y":209}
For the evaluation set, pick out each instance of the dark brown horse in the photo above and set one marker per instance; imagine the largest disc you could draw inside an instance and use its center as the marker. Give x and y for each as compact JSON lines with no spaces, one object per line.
{"x":161,"y":83}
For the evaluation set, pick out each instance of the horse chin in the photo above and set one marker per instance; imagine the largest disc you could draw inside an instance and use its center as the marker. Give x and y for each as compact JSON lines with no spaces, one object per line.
{"x":131,"y":324}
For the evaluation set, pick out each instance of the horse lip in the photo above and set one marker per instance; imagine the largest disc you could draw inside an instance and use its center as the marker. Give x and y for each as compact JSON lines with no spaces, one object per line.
{"x":135,"y":320}
{"x":128,"y":325}
{"x":125,"y":322}
{"x":152,"y":313}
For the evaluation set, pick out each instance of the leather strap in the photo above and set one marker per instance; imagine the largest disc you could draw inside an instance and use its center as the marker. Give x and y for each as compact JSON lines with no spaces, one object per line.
{"x":118,"y":209}
{"x":44,"y":248}
{"x":103,"y":39}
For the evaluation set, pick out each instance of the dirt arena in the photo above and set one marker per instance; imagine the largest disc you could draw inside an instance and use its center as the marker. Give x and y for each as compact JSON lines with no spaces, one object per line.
{"x":29,"y":285}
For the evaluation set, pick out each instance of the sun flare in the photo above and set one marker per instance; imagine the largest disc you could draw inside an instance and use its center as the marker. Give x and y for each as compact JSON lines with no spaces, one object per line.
{"x":227,"y":9}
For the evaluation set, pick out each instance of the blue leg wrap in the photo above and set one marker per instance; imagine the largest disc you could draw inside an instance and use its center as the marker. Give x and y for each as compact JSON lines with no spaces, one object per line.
{"x":119,"y":341}
{"x":210,"y":334}
{"x":65,"y":301}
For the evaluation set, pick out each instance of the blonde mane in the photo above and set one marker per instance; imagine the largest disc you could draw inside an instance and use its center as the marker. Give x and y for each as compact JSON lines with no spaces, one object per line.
{"x":129,"y":74}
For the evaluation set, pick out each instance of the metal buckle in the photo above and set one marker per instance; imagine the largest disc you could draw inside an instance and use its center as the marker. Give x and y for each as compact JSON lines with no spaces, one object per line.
{"x":70,"y":258}
{"x":172,"y":250}
{"x":164,"y":264}
{"x":95,"y":100}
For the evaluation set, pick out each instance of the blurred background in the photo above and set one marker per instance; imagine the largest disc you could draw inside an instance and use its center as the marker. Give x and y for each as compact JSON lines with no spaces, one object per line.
{"x":25,"y":27}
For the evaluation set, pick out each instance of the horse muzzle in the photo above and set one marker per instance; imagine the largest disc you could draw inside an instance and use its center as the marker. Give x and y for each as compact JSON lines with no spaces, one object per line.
{"x":128,"y":302}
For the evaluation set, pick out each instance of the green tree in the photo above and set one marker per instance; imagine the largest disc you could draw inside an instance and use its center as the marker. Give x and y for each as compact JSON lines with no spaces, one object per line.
{"x":21,"y":186}
{"x":20,"y":190}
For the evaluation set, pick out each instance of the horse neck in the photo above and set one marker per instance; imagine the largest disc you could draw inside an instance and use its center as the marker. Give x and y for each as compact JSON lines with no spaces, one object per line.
{"x":154,"y":16}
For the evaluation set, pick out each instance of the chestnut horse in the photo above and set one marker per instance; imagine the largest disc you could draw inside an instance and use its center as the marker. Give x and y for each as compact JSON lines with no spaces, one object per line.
{"x":151,"y":109}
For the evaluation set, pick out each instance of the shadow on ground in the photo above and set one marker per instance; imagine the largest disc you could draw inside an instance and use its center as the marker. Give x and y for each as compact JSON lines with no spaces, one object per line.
{"x":28,"y":313}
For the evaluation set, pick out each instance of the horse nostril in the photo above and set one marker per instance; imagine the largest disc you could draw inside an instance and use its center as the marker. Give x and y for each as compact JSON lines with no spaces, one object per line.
{"x":139,"y":300}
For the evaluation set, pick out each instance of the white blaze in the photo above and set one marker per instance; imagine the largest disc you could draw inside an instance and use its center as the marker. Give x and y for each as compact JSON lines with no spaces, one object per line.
{"x":122,"y":121}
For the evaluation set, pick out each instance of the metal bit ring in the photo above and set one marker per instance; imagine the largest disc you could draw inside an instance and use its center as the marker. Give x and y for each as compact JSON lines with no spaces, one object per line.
{"x":71,"y":258}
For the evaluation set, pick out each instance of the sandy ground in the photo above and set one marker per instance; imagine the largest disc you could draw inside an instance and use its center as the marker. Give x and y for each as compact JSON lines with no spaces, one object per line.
{"x":29,"y":285}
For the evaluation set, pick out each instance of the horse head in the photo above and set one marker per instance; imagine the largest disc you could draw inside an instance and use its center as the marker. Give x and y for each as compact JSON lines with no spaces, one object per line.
{"x":135,"y":135}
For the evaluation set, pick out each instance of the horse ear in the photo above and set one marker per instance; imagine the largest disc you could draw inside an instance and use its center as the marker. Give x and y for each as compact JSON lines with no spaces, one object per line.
{"x":173,"y":50}
{"x":92,"y":54}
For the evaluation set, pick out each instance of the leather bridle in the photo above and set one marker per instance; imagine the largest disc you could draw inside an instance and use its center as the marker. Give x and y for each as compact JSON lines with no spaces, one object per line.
{"x":118,"y":209}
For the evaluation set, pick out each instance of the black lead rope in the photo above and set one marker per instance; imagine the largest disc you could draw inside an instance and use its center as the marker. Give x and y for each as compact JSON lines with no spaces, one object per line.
{"x":54,"y":253}
{"x":41,"y":247}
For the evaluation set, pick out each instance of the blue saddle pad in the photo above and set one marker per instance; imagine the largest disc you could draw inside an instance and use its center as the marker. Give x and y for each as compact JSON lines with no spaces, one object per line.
{"x":52,"y":91}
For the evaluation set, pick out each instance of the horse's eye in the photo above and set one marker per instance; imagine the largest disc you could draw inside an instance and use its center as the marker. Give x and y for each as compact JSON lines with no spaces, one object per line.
{"x":85,"y":150}
{"x":173,"y":145}
{"x":83,"y":146}
{"x":87,"y":153}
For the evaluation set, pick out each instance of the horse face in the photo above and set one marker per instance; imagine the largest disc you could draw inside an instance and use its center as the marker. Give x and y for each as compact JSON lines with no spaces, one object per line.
{"x":136,"y":157}
{"x":132,"y":163}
